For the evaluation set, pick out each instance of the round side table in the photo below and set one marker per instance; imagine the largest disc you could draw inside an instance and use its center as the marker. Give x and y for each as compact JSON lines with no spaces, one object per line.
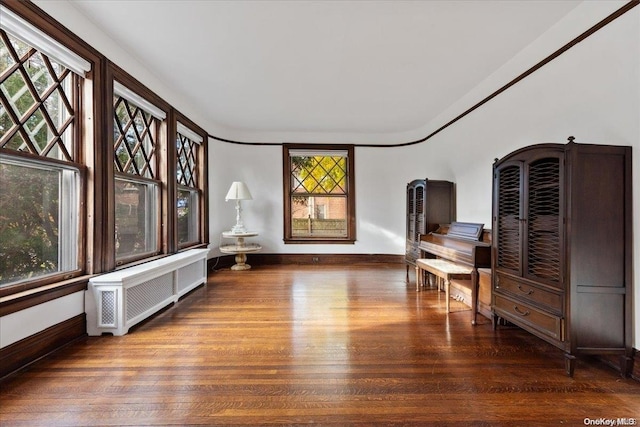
{"x":240,"y":248}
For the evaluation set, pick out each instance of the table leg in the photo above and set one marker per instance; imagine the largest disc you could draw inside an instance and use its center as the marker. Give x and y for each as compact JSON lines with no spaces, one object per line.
{"x":447,"y":282}
{"x":475,"y":283}
{"x":241,"y":259}
{"x":417,"y":279}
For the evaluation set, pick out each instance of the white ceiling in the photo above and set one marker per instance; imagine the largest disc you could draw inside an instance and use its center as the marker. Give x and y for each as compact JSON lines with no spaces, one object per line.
{"x":382,"y":67}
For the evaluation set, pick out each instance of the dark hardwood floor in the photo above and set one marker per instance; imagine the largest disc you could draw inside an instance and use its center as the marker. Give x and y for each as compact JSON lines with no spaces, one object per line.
{"x":326,"y":345}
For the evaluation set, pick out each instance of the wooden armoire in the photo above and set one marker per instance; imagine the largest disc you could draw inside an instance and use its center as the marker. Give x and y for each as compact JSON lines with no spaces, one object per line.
{"x":429,"y":204}
{"x":562,"y":247}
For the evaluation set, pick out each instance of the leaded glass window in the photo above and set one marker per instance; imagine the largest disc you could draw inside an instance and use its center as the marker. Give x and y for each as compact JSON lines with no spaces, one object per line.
{"x":319,"y":205}
{"x":137,"y":185}
{"x":39,"y":173}
{"x":188,"y":201}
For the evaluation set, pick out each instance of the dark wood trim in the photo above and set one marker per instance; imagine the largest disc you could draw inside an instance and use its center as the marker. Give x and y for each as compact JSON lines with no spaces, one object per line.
{"x":90,"y":119}
{"x":42,"y":20}
{"x":332,"y":259}
{"x":108,"y":177}
{"x":624,"y":9}
{"x":257,"y":259}
{"x":612,"y":17}
{"x":35,"y":285}
{"x":629,"y":261}
{"x":24,"y":352}
{"x":23,"y":300}
{"x":96,"y":152}
{"x":136,"y":86}
{"x":202,"y":178}
{"x":203,"y":184}
{"x":115,"y":73}
{"x":169,"y":191}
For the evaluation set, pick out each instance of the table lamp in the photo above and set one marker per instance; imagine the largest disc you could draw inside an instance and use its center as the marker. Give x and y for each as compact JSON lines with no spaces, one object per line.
{"x":238,"y":192}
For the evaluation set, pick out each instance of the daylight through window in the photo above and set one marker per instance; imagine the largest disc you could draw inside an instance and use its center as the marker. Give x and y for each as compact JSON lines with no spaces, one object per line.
{"x":39,"y":172}
{"x":187,"y":145}
{"x":137,"y":186}
{"x":319,"y":190}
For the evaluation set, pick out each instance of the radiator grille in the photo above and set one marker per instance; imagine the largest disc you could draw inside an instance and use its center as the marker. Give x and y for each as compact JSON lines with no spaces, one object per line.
{"x":108,"y":308}
{"x":147,"y":294}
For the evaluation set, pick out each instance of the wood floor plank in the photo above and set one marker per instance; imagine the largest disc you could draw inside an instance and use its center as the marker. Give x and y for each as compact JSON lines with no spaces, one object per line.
{"x":326,"y":345}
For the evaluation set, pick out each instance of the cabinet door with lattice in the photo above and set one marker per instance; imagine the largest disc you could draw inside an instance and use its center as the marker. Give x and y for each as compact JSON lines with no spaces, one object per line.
{"x":543,"y":222}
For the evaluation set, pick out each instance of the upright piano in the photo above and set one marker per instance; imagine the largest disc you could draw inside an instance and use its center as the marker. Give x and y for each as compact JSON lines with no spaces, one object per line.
{"x":461,"y":243}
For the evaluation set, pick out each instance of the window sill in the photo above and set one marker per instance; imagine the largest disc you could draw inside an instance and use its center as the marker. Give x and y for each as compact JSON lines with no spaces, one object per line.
{"x":32,"y":297}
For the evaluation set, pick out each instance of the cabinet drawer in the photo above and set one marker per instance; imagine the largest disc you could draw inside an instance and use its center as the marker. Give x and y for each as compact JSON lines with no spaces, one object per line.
{"x":529,"y":293}
{"x":528,"y":317}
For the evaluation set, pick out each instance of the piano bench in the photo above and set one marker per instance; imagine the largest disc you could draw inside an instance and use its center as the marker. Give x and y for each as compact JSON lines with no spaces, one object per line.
{"x":443,"y":269}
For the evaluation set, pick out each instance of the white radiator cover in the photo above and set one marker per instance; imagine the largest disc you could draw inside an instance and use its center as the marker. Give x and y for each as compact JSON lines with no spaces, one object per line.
{"x":116,"y":301}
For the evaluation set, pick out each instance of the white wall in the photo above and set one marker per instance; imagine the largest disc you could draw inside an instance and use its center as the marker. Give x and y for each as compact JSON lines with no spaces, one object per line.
{"x":379,"y":198}
{"x":592,"y":92}
{"x":30,"y":321}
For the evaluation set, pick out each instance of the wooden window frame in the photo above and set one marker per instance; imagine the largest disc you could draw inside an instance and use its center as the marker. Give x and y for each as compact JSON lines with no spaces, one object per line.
{"x":350,"y":238}
{"x":94,"y":151}
{"x":83,"y":92}
{"x":162,"y":170}
{"x":201,"y":181}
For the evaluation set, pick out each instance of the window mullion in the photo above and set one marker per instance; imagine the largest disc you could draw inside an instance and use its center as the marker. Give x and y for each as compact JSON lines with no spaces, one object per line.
{"x":19,"y":126}
{"x":58,"y":82}
{"x":57,"y":139}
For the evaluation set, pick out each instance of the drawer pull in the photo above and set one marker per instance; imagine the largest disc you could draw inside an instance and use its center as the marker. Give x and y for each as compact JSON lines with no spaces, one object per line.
{"x":520,"y":312}
{"x":529,"y":292}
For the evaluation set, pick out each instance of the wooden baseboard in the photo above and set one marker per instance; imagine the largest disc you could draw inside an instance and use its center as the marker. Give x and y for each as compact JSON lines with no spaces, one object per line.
{"x":257,"y":259}
{"x":24,"y":352}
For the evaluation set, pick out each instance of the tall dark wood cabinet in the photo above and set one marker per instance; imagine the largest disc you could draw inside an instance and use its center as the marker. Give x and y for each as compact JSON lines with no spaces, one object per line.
{"x":562,"y":241}
{"x":429,"y":204}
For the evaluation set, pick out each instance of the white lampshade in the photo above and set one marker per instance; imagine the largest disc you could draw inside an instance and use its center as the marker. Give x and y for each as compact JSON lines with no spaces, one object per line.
{"x":238,"y":191}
